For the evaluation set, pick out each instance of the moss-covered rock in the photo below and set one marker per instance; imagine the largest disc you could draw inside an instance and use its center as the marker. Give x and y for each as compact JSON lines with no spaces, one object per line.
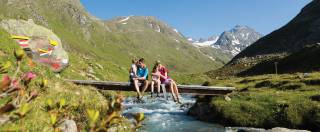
{"x":46,"y":47}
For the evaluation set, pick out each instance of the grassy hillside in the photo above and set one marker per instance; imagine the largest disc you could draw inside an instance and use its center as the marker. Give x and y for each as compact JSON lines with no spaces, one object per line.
{"x":266,"y":101}
{"x":306,"y":60}
{"x":103,"y":47}
{"x":216,"y":54}
{"x":156,"y":40}
{"x":36,"y":115}
{"x":95,"y":52}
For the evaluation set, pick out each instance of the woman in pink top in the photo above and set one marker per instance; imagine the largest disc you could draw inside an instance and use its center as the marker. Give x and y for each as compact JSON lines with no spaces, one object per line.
{"x":165,"y":79}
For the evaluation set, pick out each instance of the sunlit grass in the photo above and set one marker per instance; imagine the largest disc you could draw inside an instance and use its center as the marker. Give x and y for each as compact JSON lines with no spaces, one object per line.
{"x":269,"y":101}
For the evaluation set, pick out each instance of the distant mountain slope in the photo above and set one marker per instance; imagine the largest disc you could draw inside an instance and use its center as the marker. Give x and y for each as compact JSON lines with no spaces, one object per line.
{"x":302,"y":30}
{"x":159,"y":40}
{"x":216,"y":54}
{"x":237,"y":39}
{"x":205,"y":42}
{"x":103,"y":49}
{"x":133,"y":24}
{"x":289,"y":46}
{"x":232,"y":41}
{"x":222,"y":48}
{"x":305,"y":60}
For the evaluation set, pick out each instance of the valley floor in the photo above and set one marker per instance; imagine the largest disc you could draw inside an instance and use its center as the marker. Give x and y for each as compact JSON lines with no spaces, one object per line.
{"x":265,"y":101}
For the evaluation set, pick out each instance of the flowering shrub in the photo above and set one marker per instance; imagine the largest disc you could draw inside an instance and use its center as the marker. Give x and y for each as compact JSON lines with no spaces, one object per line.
{"x":18,"y":89}
{"x":15,"y":94}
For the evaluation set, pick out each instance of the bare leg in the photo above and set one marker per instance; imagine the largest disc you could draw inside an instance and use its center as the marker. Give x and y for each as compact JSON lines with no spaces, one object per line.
{"x":176,"y":91}
{"x":137,"y":88}
{"x":152,"y":86}
{"x":146,"y":83}
{"x":172,"y":91}
{"x":158,"y":84}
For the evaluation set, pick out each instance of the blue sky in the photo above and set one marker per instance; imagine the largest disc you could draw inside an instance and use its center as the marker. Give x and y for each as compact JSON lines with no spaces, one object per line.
{"x":203,"y":18}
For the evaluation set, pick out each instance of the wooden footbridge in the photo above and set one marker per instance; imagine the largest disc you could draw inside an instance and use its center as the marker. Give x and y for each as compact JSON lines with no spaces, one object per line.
{"x":126,"y":86}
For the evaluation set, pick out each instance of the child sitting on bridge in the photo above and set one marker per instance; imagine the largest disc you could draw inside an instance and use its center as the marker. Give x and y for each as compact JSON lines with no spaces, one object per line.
{"x":155,"y":80}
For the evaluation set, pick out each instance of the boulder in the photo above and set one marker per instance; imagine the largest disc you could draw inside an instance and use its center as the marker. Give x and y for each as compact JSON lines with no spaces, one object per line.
{"x":68,"y":126}
{"x":249,"y":129}
{"x":279,"y":129}
{"x":4,"y":119}
{"x":40,"y":43}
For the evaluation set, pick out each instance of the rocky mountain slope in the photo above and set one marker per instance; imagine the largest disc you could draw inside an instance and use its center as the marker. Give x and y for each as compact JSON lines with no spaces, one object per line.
{"x":103,"y":49}
{"x":288,"y":46}
{"x":237,"y":39}
{"x":232,"y":41}
{"x":224,"y":47}
{"x":299,"y":32}
{"x":136,"y":24}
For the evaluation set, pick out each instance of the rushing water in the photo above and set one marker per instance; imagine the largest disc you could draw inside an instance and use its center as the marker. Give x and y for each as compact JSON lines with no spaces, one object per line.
{"x":167,"y":116}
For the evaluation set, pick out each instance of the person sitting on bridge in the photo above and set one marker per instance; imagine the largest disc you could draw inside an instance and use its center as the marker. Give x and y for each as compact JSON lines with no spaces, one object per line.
{"x":142,"y":77}
{"x":133,"y":69}
{"x":155,"y":80}
{"x":165,"y":79}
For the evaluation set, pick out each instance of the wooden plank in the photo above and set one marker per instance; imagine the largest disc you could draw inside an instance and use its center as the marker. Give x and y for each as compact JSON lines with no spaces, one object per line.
{"x":126,"y":86}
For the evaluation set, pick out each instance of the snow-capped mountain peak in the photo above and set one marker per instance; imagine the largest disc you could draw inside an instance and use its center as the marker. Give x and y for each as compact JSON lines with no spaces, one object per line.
{"x":232,"y":41}
{"x":237,"y":39}
{"x":205,"y":42}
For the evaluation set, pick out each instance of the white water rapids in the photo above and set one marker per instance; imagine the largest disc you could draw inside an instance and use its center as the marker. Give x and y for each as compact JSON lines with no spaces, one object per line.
{"x":167,"y":116}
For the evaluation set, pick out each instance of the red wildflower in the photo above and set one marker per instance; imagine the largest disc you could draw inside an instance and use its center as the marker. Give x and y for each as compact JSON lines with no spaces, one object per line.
{"x":15,"y":84}
{"x":29,"y":76}
{"x":5,"y":83}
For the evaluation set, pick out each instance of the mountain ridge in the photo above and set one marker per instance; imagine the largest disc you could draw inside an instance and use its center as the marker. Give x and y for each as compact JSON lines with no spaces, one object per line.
{"x":232,"y":41}
{"x":306,"y":16}
{"x":286,"y":46}
{"x":91,"y":41}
